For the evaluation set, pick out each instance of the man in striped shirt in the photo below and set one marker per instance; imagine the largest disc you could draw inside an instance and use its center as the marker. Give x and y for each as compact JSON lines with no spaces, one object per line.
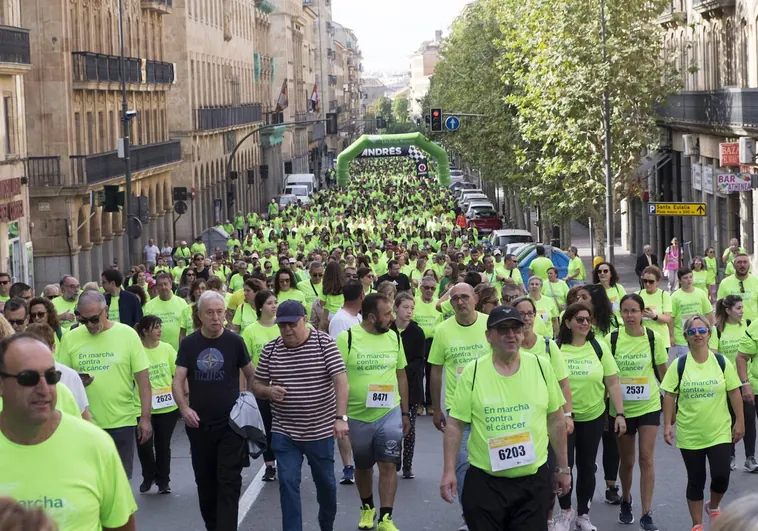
{"x":303,"y":375}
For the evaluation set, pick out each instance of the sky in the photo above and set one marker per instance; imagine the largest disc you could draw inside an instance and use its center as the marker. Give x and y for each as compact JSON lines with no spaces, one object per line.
{"x":389,"y":31}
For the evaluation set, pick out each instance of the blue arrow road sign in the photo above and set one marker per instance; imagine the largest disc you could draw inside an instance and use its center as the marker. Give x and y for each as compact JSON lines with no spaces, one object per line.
{"x":452,"y":123}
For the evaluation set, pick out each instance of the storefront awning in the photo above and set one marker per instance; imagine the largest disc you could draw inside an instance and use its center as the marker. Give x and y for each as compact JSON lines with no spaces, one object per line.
{"x":653,"y":162}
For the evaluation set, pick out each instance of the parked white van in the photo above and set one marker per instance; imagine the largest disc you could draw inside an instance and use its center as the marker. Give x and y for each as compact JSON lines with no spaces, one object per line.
{"x":301,"y":179}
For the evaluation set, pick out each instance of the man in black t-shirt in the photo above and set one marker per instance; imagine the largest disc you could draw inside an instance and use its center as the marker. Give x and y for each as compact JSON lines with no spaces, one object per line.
{"x":210,"y":360}
{"x":395,"y":276}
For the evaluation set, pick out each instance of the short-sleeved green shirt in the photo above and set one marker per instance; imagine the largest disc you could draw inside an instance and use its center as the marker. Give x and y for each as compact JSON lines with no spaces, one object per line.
{"x":747,"y":289}
{"x":683,"y":306}
{"x":586,"y":373}
{"x":660,"y":303}
{"x":550,"y":352}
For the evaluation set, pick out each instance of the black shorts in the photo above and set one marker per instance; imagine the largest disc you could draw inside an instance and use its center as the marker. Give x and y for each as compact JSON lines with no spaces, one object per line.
{"x":633,"y":424}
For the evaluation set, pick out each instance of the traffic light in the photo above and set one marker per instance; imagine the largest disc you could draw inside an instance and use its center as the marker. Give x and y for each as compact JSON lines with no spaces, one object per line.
{"x":332,"y":127}
{"x":180,"y":193}
{"x":264,"y":172}
{"x":251,"y":176}
{"x":113,"y":199}
{"x":436,"y":120}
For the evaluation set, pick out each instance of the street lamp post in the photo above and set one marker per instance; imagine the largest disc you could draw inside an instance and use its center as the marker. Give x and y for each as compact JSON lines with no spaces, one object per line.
{"x":609,"y":232}
{"x":125,"y":140}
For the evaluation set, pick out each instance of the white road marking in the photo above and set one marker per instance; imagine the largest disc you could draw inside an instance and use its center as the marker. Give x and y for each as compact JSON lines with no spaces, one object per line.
{"x":249,"y":496}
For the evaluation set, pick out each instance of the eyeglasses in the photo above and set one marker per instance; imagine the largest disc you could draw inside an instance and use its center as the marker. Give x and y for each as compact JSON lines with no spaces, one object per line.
{"x":38,"y":315}
{"x":50,"y":297}
{"x":742,"y":287}
{"x":509,"y":298}
{"x":4,"y":282}
{"x":603,"y":271}
{"x":351,"y":275}
{"x":32,"y":378}
{"x":700,"y":330}
{"x":427,"y":287}
{"x":16,"y":322}
{"x":317,"y":275}
{"x":91,"y":320}
{"x":581,"y":319}
{"x":648,"y":281}
{"x":528,"y":314}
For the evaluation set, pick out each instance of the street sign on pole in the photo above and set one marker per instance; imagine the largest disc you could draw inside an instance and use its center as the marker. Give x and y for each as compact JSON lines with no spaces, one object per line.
{"x":677,"y":209}
{"x":452,"y":123}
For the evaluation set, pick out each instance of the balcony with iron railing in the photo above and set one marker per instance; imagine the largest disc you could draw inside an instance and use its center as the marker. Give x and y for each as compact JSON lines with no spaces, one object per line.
{"x":162,"y":7}
{"x":91,"y":67}
{"x":723,"y":110}
{"x":45,"y":172}
{"x":102,"y":167}
{"x":712,"y":8}
{"x":15,"y":54}
{"x":211,"y":118}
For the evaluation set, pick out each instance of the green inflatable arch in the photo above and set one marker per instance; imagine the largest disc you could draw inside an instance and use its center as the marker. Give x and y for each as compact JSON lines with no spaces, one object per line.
{"x":376,"y":141}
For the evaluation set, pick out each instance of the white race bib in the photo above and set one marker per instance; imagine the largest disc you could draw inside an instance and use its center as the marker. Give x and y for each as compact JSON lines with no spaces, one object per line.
{"x":162,"y":398}
{"x":615,"y":305}
{"x":511,"y":451}
{"x":545,"y":316}
{"x":380,"y":396}
{"x":635,"y":389}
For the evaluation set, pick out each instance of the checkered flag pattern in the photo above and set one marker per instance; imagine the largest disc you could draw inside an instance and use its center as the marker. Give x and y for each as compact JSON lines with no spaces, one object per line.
{"x":416,"y":154}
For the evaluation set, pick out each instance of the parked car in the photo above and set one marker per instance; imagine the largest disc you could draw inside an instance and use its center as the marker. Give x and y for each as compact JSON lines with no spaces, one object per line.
{"x":287,"y":199}
{"x":459,"y":187}
{"x":472,"y":198}
{"x":510,"y":240}
{"x":476,"y":205}
{"x":301,"y":191}
{"x":468,"y":191}
{"x":484,"y":219}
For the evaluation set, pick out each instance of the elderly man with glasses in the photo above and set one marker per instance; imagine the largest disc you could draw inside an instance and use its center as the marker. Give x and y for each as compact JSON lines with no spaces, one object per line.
{"x":646,"y":259}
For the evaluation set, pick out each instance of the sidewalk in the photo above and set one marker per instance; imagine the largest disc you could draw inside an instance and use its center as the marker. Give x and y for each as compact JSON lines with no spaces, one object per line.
{"x":623,"y":261}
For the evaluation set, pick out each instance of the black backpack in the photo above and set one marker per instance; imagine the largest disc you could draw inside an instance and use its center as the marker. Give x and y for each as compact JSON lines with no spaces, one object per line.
{"x":681,"y":361}
{"x":719,"y":332}
{"x":651,"y":340}
{"x":595,"y":346}
{"x":350,"y":340}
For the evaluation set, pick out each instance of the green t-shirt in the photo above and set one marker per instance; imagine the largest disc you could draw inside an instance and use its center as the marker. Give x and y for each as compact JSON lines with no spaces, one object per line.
{"x":88,"y":490}
{"x":712,"y":267}
{"x":113,"y":311}
{"x":702,"y":419}
{"x":312,"y":292}
{"x":586,"y":373}
{"x":747,"y":289}
{"x":162,"y":369}
{"x":639,"y":386}
{"x":731,"y":339}
{"x":749,"y":346}
{"x":187,"y":323}
{"x":427,"y":316}
{"x":574,"y":264}
{"x":615,"y":293}
{"x":112,"y":357}
{"x":557,"y":291}
{"x":546,"y":312}
{"x":554,"y":356}
{"x":508,"y":414}
{"x":660,"y":303}
{"x":332,"y":303}
{"x":700,"y":280}
{"x":455,"y":346}
{"x":540,"y":265}
{"x":291,"y":295}
{"x":513,"y":274}
{"x":171,"y":313}
{"x":63,"y":306}
{"x":176,"y":272}
{"x":372,"y":364}
{"x":244,"y":316}
{"x":256,"y":336}
{"x":683,"y":306}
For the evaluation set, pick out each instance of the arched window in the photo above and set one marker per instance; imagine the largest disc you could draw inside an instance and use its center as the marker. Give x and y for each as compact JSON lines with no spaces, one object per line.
{"x":744,"y":80}
{"x":715,"y":58}
{"x":729,"y":70}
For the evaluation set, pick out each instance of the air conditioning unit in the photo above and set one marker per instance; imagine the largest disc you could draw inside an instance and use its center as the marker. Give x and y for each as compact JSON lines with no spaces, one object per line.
{"x":691,"y":145}
{"x":747,"y":150}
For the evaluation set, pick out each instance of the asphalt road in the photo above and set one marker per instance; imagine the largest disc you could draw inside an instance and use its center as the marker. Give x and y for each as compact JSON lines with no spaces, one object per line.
{"x":418,"y":505}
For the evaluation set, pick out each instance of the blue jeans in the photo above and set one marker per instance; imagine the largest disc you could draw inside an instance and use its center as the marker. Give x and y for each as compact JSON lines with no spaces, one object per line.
{"x":461,"y":462}
{"x":289,"y":461}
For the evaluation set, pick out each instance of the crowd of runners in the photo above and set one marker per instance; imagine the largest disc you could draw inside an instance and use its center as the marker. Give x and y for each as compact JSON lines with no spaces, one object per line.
{"x":339,"y":322}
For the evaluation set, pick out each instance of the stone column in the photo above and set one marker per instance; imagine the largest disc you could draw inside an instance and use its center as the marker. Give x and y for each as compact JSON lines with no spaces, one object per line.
{"x":118,"y":240}
{"x":96,"y":236}
{"x":168,"y":227}
{"x":107,"y":223}
{"x":688,"y":234}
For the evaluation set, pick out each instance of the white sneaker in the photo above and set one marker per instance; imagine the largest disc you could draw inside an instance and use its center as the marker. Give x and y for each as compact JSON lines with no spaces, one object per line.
{"x":562,"y":520}
{"x":464,"y":527}
{"x":583,"y":523}
{"x":551,"y":525}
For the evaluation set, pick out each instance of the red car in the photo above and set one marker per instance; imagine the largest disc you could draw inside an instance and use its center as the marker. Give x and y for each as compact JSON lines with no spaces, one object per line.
{"x":485,"y":221}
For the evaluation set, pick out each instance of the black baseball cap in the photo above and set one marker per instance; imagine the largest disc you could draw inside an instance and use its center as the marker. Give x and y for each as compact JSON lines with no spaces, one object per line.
{"x":501,"y":315}
{"x":290,"y":312}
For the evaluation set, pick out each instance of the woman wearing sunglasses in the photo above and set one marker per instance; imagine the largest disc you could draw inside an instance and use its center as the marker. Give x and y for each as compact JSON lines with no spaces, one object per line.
{"x":698,"y":388}
{"x":285,"y":287}
{"x":641,"y":356}
{"x":726,"y":337}
{"x":657,"y":309}
{"x":41,"y":310}
{"x":191,"y":322}
{"x":155,"y":454}
{"x":712,"y":267}
{"x":605,"y":275}
{"x":592,"y":374}
{"x":686,"y":302}
{"x":699,"y":274}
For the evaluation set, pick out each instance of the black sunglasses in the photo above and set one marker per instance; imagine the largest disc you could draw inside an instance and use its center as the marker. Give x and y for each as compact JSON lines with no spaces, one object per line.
{"x":91,"y":320}
{"x":16,"y":322}
{"x":32,"y":378}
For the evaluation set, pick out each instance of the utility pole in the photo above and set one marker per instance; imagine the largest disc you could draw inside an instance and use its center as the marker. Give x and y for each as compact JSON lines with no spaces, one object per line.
{"x":609,"y":232}
{"x":125,"y":148}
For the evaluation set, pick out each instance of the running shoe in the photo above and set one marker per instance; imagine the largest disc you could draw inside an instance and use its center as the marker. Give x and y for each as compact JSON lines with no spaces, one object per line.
{"x":348,"y":475}
{"x":712,"y":513}
{"x":430,"y":411}
{"x":420,"y":411}
{"x":583,"y":523}
{"x":698,"y":527}
{"x":751,"y":465}
{"x":408,"y":474}
{"x":464,"y":527}
{"x":146,"y":486}
{"x":269,"y":474}
{"x":626,"y":516}
{"x":612,"y":496}
{"x":164,"y":489}
{"x":562,"y":520}
{"x":646,"y":522}
{"x":551,"y":525}
{"x":367,"y":517}
{"x":732,"y":463}
{"x":386,"y":524}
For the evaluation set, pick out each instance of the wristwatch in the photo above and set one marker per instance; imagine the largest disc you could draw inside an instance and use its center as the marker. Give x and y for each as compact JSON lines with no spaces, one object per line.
{"x":620,"y":415}
{"x":564,"y":471}
{"x":745,"y":381}
{"x":406,"y":414}
{"x":568,"y":414}
{"x":341,"y":417}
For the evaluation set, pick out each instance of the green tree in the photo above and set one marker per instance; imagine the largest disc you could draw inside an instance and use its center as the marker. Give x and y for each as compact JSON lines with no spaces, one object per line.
{"x":384,"y":109}
{"x":401,"y":109}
